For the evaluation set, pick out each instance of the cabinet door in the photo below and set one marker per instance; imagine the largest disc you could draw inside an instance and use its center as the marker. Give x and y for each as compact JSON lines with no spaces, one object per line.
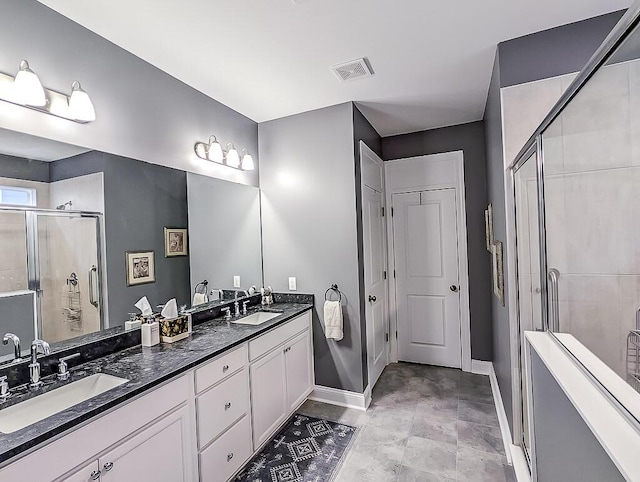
{"x":299,"y":370}
{"x":268,"y":395}
{"x":159,"y":453}
{"x":88,"y":473}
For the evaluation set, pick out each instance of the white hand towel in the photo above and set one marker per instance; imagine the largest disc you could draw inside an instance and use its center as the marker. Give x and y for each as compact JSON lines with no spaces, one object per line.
{"x":333,"y":320}
{"x":170,"y":309}
{"x":144,"y":306}
{"x":199,"y":299}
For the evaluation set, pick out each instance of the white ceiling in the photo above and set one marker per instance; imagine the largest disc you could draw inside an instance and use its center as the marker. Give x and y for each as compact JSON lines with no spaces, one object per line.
{"x":270,"y":58}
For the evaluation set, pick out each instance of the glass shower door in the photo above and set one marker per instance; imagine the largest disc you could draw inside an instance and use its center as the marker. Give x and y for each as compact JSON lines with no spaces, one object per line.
{"x":65,"y":273}
{"x":528,"y":268}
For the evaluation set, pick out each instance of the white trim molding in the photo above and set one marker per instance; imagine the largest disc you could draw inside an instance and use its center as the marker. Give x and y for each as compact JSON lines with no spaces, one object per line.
{"x":502,"y":415}
{"x":481,"y":367}
{"x":342,"y":398}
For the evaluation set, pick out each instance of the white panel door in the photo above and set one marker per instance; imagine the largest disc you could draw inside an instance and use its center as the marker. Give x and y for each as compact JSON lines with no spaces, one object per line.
{"x":427,"y":291}
{"x":375,"y":283}
{"x":160,"y":453}
{"x":268,"y":394}
{"x":299,"y":374}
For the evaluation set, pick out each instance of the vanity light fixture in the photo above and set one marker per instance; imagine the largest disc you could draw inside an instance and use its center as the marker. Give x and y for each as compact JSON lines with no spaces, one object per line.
{"x":26,"y":90}
{"x":212,"y":151}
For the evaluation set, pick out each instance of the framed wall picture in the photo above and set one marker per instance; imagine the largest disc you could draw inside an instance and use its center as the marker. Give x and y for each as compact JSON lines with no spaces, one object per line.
{"x":498,"y":271}
{"x":175,"y":242}
{"x":488,"y":226}
{"x":140,"y":267}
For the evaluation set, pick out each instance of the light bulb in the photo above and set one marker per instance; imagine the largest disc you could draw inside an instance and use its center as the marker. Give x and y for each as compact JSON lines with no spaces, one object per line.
{"x":233,"y":159}
{"x":214,"y":152}
{"x":28,"y":89}
{"x":80,"y":105}
{"x":247,"y":161}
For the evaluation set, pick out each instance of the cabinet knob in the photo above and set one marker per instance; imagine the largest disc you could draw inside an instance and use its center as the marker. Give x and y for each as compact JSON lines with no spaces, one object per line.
{"x":225,"y":368}
{"x":227,"y":405}
{"x":108,"y":466}
{"x":95,"y":475}
{"x":229,"y":456}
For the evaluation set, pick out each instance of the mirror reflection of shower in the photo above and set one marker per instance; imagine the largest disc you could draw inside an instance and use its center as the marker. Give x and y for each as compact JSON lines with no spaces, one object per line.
{"x":63,"y":207}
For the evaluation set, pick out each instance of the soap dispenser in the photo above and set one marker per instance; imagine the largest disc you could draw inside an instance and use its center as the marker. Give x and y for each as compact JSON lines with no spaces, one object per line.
{"x":150,"y":332}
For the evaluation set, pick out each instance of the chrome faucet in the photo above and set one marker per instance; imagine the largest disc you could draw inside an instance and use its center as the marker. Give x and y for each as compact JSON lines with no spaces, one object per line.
{"x":37,"y":346}
{"x":236,"y":306}
{"x":17,"y":351}
{"x":244,"y":307}
{"x":227,"y":312}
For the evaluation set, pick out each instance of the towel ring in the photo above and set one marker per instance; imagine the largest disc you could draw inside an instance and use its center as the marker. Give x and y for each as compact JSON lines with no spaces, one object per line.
{"x":333,"y":288}
{"x":201,"y":287}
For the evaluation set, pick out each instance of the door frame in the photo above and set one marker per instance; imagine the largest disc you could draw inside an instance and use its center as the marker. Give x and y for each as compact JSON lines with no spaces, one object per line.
{"x":455,"y":159}
{"x":364,"y":149}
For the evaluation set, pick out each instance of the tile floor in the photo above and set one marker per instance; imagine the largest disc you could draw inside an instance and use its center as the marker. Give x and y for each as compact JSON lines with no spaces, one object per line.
{"x":426,"y":424}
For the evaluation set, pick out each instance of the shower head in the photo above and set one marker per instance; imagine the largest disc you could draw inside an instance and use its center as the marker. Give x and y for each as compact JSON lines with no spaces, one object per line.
{"x":63,"y":207}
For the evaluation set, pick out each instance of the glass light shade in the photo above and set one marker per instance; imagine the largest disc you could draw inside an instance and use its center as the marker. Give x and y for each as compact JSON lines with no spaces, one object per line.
{"x":214,"y":152}
{"x":201,"y":150}
{"x":28,"y":89}
{"x":247,"y":162}
{"x":80,"y":105}
{"x":233,"y":159}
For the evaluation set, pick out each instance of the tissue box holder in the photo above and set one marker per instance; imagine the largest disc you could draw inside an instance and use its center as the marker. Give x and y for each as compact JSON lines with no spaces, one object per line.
{"x":175,"y":329}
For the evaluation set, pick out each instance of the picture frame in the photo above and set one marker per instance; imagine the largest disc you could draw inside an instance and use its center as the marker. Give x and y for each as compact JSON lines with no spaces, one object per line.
{"x":175,"y":242}
{"x":498,"y":271}
{"x":488,"y":226}
{"x":140,"y":267}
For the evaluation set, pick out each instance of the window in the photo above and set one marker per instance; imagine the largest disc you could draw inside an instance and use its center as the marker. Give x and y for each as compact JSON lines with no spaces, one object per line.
{"x":17,"y":196}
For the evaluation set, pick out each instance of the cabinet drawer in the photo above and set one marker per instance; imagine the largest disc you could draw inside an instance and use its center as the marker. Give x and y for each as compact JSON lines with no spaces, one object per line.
{"x":221,"y":406}
{"x":220,"y":368}
{"x":226,"y":455}
{"x":270,"y":340}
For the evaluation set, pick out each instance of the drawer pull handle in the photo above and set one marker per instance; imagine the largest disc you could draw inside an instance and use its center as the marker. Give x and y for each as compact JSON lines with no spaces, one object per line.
{"x":95,"y":475}
{"x":227,"y":405}
{"x":287,"y":349}
{"x":108,"y":466}
{"x":225,"y":368}
{"x":229,"y":457}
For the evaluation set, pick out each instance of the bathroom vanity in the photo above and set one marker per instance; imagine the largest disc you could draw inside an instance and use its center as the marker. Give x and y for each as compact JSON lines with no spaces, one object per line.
{"x":193,"y":410}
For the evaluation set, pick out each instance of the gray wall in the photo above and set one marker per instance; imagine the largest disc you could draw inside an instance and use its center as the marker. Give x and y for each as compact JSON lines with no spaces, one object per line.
{"x":140,"y":200}
{"x":25,"y":169}
{"x":309,"y":226}
{"x":224,"y":232}
{"x":362,"y":131}
{"x":495,"y":192}
{"x":470,"y":139}
{"x":566,"y":449}
{"x":142,"y":112}
{"x":557,"y":51}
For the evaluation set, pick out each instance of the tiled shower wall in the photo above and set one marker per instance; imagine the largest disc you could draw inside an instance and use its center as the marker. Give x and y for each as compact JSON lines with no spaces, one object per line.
{"x":592,"y":170}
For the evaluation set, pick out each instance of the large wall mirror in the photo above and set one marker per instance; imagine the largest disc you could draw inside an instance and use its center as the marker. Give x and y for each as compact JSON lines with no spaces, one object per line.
{"x":85,"y":234}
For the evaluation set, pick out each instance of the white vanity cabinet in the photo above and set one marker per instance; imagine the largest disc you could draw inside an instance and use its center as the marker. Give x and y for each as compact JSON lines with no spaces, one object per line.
{"x":281,"y":374}
{"x":204,"y":425}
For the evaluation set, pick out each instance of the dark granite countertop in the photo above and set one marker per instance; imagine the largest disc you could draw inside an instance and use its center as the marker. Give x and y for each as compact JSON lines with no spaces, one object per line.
{"x":145,"y":367}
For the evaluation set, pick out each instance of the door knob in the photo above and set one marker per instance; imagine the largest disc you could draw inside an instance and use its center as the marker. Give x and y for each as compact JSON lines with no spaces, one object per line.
{"x":372,"y":299}
{"x":453,"y":288}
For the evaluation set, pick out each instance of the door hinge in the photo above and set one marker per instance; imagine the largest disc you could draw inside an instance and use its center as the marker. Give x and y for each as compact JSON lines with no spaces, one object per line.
{"x":391,"y":211}
{"x":382,"y":212}
{"x":384,"y":274}
{"x":396,"y":334}
{"x":394,"y":273}
{"x":387,"y":337}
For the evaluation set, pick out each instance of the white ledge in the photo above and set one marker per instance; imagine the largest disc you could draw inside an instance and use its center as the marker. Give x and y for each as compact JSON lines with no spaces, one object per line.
{"x":615,"y":432}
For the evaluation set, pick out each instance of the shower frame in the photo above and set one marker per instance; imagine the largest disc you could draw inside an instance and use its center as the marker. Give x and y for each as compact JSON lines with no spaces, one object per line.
{"x":33,"y":254}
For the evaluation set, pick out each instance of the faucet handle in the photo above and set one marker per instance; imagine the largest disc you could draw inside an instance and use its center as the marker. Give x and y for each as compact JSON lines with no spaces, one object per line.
{"x":4,"y":388}
{"x":227,"y":311}
{"x":63,"y":369}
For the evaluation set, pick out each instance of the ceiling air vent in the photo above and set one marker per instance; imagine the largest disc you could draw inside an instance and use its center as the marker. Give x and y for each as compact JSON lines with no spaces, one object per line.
{"x":353,"y":70}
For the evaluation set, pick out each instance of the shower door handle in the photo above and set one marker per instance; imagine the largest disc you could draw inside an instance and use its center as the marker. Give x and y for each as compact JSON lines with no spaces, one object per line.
{"x":554,"y":302}
{"x":92,"y":286}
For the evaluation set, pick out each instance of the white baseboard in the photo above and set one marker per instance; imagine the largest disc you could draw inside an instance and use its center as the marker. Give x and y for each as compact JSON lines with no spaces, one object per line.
{"x":481,"y":367}
{"x":342,"y":398}
{"x":502,"y":415}
{"x":520,"y":466}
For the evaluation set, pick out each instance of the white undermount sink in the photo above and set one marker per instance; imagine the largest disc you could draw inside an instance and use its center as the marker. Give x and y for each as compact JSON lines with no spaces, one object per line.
{"x":38,"y":408}
{"x":256,"y":318}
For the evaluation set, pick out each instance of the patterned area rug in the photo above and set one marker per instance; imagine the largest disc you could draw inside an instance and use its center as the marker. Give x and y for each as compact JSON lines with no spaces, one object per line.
{"x":307,"y":449}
